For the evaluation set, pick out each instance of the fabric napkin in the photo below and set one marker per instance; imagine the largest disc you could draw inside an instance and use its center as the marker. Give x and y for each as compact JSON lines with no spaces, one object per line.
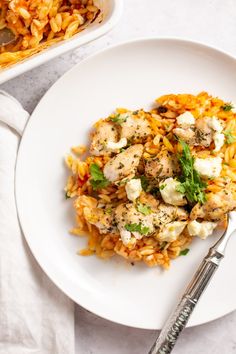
{"x":35,"y":316}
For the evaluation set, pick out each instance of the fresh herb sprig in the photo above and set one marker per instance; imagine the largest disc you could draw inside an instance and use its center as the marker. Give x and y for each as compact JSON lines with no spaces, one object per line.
{"x":184,"y":252}
{"x":230,"y":139}
{"x":227,"y":107}
{"x":98,"y":179}
{"x":144,"y":209}
{"x":143,"y":230}
{"x":191,"y":183}
{"x":118,"y":119}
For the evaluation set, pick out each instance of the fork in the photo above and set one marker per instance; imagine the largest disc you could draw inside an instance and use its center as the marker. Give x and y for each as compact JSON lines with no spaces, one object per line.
{"x":180,"y":316}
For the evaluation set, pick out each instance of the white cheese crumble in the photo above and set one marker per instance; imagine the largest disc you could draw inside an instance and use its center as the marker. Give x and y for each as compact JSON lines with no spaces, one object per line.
{"x":214,"y":124}
{"x":112,"y":146}
{"x":133,"y":189}
{"x":217,"y":128}
{"x":209,"y":167}
{"x":171,"y":231}
{"x":201,"y":229}
{"x":125,"y":236}
{"x":219,"y":140}
{"x":169,"y":193}
{"x":186,"y":119}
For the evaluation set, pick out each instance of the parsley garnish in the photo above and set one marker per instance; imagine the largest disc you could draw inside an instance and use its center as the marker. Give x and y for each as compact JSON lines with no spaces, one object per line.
{"x":191,"y":184}
{"x":118,"y":119}
{"x":98,"y":179}
{"x":230,"y":139}
{"x":144,"y":182}
{"x":143,"y":230}
{"x":227,"y":107}
{"x":144,"y":209}
{"x":162,"y":186}
{"x":184,"y":252}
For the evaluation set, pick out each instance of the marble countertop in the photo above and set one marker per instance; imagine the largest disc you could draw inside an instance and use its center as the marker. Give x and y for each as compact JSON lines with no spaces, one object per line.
{"x":208,"y":21}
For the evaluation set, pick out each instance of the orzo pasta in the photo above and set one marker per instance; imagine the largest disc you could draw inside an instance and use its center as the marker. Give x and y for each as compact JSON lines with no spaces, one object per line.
{"x":39,"y":23}
{"x":155,"y":179}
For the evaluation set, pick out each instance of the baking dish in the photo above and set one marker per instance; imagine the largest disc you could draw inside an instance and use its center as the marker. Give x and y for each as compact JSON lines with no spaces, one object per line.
{"x":110,"y":13}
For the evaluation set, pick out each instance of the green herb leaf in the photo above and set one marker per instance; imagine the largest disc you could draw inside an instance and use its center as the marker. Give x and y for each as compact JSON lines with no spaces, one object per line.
{"x":162,"y":186}
{"x":144,"y":209}
{"x":108,"y":211}
{"x":144,"y":182}
{"x":184,"y":252}
{"x":143,"y":230}
{"x":98,"y":179}
{"x":227,"y":107}
{"x":230,"y":139}
{"x":118,"y":119}
{"x":191,"y":183}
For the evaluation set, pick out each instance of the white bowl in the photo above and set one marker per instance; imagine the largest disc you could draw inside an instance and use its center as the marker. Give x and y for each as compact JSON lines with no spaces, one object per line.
{"x":111,"y":10}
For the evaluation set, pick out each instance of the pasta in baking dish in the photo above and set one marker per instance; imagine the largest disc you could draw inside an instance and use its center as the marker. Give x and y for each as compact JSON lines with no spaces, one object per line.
{"x":154,"y":180}
{"x":39,"y":23}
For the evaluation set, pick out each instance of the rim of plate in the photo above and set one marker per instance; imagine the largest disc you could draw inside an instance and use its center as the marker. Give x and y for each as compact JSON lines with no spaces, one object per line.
{"x":51,"y":274}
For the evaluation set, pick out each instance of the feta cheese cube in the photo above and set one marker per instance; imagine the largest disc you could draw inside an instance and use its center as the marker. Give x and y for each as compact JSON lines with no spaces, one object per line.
{"x":219,"y":139}
{"x":214,"y":124}
{"x":209,"y":167}
{"x":201,"y":229}
{"x":169,"y":193}
{"x":186,"y":119}
{"x":133,"y":189}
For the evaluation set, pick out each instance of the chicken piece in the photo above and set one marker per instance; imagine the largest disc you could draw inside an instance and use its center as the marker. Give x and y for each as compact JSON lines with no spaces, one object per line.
{"x":135,"y":128}
{"x":103,"y":219}
{"x":124,"y":163}
{"x":149,"y":200}
{"x":216,"y":206}
{"x":105,"y":133}
{"x":168,"y":213}
{"x":128,"y":215}
{"x":164,"y":165}
{"x":204,"y":133}
{"x":187,"y":135}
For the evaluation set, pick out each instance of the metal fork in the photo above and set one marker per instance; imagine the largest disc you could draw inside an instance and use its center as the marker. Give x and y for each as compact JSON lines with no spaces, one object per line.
{"x":180,"y":316}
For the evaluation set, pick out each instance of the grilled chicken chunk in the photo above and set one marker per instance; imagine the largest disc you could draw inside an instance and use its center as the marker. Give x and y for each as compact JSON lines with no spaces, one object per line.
{"x":166,"y":213}
{"x":127,"y":214}
{"x":101,"y":219}
{"x":135,"y":128}
{"x":104,"y":133}
{"x":164,"y":165}
{"x":124,"y":163}
{"x":217,"y":205}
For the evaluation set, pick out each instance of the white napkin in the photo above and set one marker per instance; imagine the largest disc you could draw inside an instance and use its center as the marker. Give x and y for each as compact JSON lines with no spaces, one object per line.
{"x":35,"y":316}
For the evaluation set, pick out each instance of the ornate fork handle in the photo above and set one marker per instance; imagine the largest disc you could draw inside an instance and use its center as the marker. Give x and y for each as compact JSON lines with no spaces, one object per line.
{"x":179,"y":318}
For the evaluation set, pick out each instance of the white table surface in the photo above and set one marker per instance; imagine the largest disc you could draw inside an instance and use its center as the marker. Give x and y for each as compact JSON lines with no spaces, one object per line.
{"x":209,"y":21}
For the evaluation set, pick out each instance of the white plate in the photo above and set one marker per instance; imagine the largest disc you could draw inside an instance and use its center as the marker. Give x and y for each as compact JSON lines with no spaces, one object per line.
{"x":111,"y":12}
{"x":128,"y":75}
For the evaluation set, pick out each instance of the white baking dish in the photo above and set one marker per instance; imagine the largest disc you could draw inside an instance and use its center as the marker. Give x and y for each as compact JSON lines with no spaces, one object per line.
{"x":111,"y":11}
